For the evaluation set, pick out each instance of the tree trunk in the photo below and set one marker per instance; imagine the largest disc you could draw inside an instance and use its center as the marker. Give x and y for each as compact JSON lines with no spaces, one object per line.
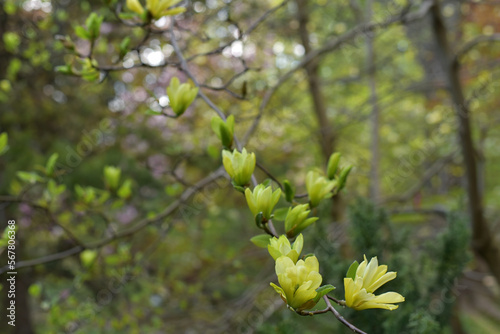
{"x":482,"y":238}
{"x":325,"y":130}
{"x":326,"y":136}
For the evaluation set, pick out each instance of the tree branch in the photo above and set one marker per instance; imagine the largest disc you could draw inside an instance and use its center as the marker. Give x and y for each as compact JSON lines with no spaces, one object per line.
{"x":330,"y":308}
{"x":173,"y":207}
{"x":473,"y":43}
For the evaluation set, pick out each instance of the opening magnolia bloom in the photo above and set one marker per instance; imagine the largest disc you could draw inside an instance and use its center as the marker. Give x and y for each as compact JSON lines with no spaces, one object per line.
{"x":159,"y":8}
{"x":135,"y":6}
{"x":262,"y":199}
{"x":281,"y":247}
{"x":298,"y":282}
{"x":296,"y":219}
{"x":239,"y":166}
{"x":318,"y":187}
{"x":363,"y":279}
{"x":180,"y":95}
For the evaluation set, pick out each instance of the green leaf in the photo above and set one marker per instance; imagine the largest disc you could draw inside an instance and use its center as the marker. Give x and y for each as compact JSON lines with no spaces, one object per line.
{"x":230,"y":123}
{"x":79,"y":191}
{"x":323,"y":290}
{"x":261,"y":240}
{"x":64,"y":69}
{"x":30,"y":177}
{"x":225,"y":135}
{"x":289,"y":191}
{"x":237,"y":187}
{"x":125,"y":190}
{"x":280,"y":214}
{"x":351,"y":272}
{"x":93,"y":24}
{"x":215,"y":124}
{"x":153,"y":113}
{"x":49,"y":167}
{"x":259,"y":219}
{"x":344,"y":173}
{"x":55,"y":190}
{"x":127,"y":16}
{"x":90,"y":75}
{"x":124,"y":46}
{"x":90,"y":19}
{"x":117,"y":204}
{"x":89,"y":195}
{"x":82,"y":32}
{"x":333,"y":164}
{"x":103,"y":197}
{"x":4,"y":141}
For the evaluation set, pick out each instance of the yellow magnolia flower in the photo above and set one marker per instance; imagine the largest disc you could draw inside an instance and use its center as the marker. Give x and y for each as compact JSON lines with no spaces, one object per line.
{"x":360,"y":285}
{"x":239,"y":166}
{"x":262,"y":199}
{"x":296,"y":219}
{"x":298,"y":282}
{"x":318,"y":187}
{"x":281,"y":247}
{"x":135,"y":6}
{"x":180,"y":96}
{"x":160,"y":8}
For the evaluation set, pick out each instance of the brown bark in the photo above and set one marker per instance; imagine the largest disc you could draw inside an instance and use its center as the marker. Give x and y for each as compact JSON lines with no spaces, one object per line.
{"x":325,"y":130}
{"x":482,"y":238}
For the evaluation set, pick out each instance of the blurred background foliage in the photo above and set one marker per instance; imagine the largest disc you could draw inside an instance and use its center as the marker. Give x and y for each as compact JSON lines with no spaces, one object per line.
{"x":195,"y":271}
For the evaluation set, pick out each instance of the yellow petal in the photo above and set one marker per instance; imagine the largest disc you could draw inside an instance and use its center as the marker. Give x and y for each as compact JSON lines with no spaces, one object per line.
{"x":135,"y":6}
{"x":174,"y":11}
{"x":227,"y":162}
{"x":316,"y":279}
{"x":299,"y":243}
{"x":381,"y":281}
{"x":389,"y":297}
{"x":312,"y":263}
{"x":282,"y":263}
{"x":350,"y":290}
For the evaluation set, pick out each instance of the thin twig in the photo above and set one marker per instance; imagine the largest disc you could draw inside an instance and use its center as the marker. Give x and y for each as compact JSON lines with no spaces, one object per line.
{"x":341,"y":318}
{"x":330,"y":308}
{"x":474,"y":42}
{"x":335,"y":300}
{"x":245,"y":33}
{"x":268,"y":173}
{"x":184,"y":67}
{"x":47,"y":212}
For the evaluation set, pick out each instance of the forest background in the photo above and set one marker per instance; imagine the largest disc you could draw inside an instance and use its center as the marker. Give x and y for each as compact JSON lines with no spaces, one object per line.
{"x":406,"y":91}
